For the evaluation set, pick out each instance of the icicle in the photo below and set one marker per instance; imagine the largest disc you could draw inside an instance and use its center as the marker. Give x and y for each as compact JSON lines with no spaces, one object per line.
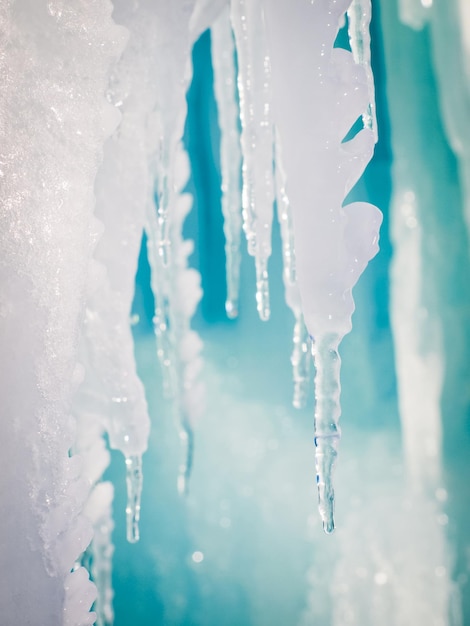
{"x":189,"y":401}
{"x":327,"y":413}
{"x":254,"y":88}
{"x":177,"y":292}
{"x":185,"y":467}
{"x":359,"y":15}
{"x":301,"y":359}
{"x":223,"y":62}
{"x":333,"y":242}
{"x":284,"y":213}
{"x":134,"y":479}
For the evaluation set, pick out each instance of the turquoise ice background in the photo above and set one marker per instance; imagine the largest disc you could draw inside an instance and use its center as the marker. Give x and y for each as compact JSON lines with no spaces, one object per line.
{"x":245,"y":547}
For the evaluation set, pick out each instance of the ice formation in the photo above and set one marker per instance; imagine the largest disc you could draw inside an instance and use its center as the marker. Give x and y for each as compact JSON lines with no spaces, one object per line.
{"x":332,"y":244}
{"x":92,"y":117}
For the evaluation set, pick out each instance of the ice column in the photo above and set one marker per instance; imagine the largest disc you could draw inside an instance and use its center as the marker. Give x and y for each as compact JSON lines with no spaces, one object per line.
{"x":332,"y":243}
{"x":254,"y":88}
{"x":223,"y":62}
{"x":54,"y":120}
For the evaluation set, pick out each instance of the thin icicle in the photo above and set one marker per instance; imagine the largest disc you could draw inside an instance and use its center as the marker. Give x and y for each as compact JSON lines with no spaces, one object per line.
{"x":163,"y":203}
{"x":333,"y":241}
{"x":185,"y":467}
{"x":134,"y":479}
{"x":187,"y":293}
{"x":327,"y":413}
{"x":160,"y":283}
{"x":284,"y":214}
{"x":177,"y":293}
{"x":223,"y":63}
{"x":359,"y":16}
{"x":254,"y":88}
{"x":301,"y":359}
{"x":301,"y":353}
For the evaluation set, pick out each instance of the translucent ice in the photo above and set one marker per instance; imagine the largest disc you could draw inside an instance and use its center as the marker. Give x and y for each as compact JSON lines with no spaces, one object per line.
{"x":254,"y":88}
{"x":332,"y":243}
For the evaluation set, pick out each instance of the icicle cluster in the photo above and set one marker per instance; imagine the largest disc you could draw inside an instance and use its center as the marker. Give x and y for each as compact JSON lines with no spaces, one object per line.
{"x":288,"y":75}
{"x":223,"y":62}
{"x":68,"y":276}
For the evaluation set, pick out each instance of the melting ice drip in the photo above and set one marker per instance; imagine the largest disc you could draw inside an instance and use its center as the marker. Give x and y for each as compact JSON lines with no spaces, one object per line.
{"x":298,"y":98}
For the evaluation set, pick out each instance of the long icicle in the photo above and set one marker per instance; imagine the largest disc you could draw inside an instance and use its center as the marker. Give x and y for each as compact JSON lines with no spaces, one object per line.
{"x":223,"y":63}
{"x":359,"y":16}
{"x":301,"y":360}
{"x":254,"y":88}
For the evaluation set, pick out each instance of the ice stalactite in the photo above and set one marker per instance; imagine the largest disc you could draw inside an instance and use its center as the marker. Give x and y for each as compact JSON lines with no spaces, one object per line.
{"x":223,"y":62}
{"x":189,"y":391}
{"x":332,"y":243}
{"x":254,"y":88}
{"x":167,"y":252}
{"x":122,"y":188}
{"x":359,"y":16}
{"x":55,"y":119}
{"x":182,"y":292}
{"x":301,"y":353}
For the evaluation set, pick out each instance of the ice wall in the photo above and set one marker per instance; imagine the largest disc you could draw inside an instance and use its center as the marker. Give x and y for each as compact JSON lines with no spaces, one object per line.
{"x":54,"y":119}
